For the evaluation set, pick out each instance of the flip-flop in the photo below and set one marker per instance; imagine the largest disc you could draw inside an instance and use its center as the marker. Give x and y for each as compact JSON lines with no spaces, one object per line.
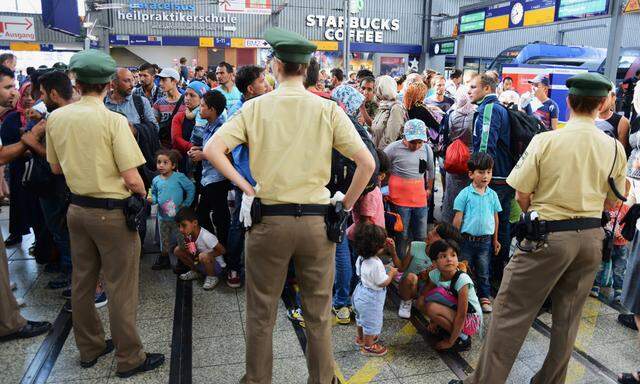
{"x":628,"y":378}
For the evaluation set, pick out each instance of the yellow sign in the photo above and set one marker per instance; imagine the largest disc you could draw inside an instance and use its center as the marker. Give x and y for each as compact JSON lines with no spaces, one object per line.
{"x":18,"y":46}
{"x":632,"y":6}
{"x":497,"y":23}
{"x":237,"y":42}
{"x":539,"y":16}
{"x":326,"y":45}
{"x":206,"y":42}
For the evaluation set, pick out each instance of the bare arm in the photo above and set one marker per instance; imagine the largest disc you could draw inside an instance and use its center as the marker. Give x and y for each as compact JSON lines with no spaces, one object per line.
{"x":457,"y":220}
{"x":392,"y":273}
{"x":11,"y":152}
{"x":554,"y":123}
{"x":133,"y":182}
{"x":216,"y":152}
{"x":524,"y":200}
{"x":623,"y":132}
{"x":365,"y":165}
{"x":33,"y":142}
{"x":56,"y":169}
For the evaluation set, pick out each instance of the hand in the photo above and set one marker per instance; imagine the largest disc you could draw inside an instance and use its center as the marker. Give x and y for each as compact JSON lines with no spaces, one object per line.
{"x":390,"y":245}
{"x":39,"y":129}
{"x":337,"y":197}
{"x":496,"y":246}
{"x":428,"y":194}
{"x":245,"y":210}
{"x":196,"y":155}
{"x":150,"y":199}
{"x":432,"y":328}
{"x":444,"y":344}
{"x":393,"y":271}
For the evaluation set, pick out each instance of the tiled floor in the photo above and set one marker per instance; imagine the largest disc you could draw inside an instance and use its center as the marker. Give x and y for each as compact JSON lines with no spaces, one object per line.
{"x":219,"y":324}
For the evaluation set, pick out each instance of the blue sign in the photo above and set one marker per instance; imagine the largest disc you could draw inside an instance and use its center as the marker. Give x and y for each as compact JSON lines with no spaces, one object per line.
{"x":222,"y":42}
{"x":61,"y":16}
{"x":157,"y":6}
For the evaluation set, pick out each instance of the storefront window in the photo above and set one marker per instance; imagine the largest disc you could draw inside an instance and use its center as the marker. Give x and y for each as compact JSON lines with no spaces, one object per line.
{"x":393,"y":65}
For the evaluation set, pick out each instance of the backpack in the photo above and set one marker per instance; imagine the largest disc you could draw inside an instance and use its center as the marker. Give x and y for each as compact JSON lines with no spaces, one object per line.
{"x":523,"y":128}
{"x":147,"y":138}
{"x":342,"y":168}
{"x":456,"y":157}
{"x":37,"y":177}
{"x":164,"y":132}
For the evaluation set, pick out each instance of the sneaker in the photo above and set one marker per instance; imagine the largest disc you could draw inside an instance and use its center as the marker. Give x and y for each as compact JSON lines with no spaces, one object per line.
{"x":100,"y":301}
{"x":462,"y":345}
{"x":21,"y":302}
{"x":617,"y":297}
{"x":63,"y":280}
{"x":210,"y":282}
{"x":66,"y":293}
{"x":191,"y":275}
{"x":233,"y":279}
{"x":376,"y":349}
{"x":595,"y":292}
{"x":404,"y":311}
{"x":295,"y":315}
{"x":343,"y":315}
{"x":628,"y":321}
{"x":162,"y":262}
{"x":13,"y":285}
{"x":486,"y":305}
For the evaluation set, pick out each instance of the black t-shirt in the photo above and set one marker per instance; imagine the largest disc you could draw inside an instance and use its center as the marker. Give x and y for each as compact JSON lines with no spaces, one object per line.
{"x":631,"y":85}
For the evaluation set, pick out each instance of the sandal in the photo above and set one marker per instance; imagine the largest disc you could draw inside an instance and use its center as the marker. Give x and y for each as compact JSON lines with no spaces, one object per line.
{"x":628,"y":378}
{"x":376,"y":349}
{"x":360,"y":343}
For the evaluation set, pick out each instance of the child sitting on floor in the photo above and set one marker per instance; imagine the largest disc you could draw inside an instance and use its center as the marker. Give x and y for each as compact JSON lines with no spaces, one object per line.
{"x":199,"y":249}
{"x":370,"y":293}
{"x":449,"y":300}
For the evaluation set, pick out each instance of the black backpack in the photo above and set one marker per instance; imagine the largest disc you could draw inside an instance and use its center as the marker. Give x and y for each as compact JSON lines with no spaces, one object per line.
{"x":37,"y":177}
{"x":342,"y":168}
{"x":523,"y":128}
{"x":148,"y":141}
{"x":164,"y":133}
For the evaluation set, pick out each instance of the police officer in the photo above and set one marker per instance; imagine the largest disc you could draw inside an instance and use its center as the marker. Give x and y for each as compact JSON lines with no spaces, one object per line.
{"x":563,"y":177}
{"x":97,"y":153}
{"x":12,"y":324}
{"x":290,"y":134}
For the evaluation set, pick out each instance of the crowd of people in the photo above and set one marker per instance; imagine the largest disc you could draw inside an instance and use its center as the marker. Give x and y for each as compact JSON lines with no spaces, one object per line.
{"x":189,"y":148}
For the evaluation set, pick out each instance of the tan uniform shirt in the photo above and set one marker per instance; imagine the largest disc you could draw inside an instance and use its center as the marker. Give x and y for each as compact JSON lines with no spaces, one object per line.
{"x":567,"y":171}
{"x":290,"y":133}
{"x":93,"y":146}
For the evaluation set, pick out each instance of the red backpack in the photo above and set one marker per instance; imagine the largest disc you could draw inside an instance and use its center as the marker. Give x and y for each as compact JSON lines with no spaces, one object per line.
{"x":456,"y":157}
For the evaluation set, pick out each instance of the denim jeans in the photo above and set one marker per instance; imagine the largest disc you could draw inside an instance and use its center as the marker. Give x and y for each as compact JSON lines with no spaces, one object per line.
{"x":617,"y":265}
{"x":414,"y":221}
{"x":342,"y":280}
{"x":505,"y":195}
{"x":478,"y":254}
{"x":54,"y":210}
{"x":235,"y":242}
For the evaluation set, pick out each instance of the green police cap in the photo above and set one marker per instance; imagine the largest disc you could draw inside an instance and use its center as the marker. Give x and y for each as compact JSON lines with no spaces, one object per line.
{"x":92,"y":66}
{"x":589,"y":84}
{"x":60,"y":66}
{"x":289,"y":46}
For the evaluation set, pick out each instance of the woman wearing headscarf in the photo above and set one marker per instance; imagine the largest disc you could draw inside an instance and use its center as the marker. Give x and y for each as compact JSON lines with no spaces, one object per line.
{"x":388,"y":123}
{"x":458,"y":124}
{"x":184,"y":121}
{"x":21,"y":201}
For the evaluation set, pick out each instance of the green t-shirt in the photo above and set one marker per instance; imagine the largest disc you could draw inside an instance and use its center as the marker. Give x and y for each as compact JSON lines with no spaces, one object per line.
{"x":463,"y":280}
{"x":419,"y":259}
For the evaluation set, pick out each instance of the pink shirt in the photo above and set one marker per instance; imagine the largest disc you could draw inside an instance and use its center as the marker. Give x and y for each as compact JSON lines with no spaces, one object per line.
{"x":370,"y":205}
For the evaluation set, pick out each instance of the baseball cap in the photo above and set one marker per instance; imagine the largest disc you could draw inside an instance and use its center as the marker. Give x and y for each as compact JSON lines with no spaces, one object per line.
{"x":540,"y":79}
{"x":415,"y":129}
{"x":169,"y":72}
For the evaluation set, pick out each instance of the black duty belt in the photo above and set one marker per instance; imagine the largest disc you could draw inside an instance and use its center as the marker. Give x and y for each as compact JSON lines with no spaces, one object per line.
{"x":94,"y":202}
{"x":572,"y":224}
{"x":469,"y":237}
{"x":295,"y":210}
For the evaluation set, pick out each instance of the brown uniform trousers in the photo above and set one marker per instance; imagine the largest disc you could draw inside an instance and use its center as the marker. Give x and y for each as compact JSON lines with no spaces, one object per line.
{"x":10,"y":319}
{"x":565,"y":269}
{"x":269,"y":247}
{"x":101,"y":241}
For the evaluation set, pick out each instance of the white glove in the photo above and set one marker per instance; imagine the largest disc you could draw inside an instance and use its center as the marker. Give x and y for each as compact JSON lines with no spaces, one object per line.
{"x":245,"y":210}
{"x":339,"y":196}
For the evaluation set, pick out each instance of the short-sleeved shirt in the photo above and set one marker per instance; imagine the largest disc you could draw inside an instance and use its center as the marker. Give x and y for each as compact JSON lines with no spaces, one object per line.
{"x":232,"y":96}
{"x":93,"y":146}
{"x":463,"y":279}
{"x":444,"y":105}
{"x":290,"y":133}
{"x":567,"y":171}
{"x":371,"y":272}
{"x":419,"y":259}
{"x":406,"y":163}
{"x":478,"y":210}
{"x":547,"y":111}
{"x":163,"y":108}
{"x":206,"y":241}
{"x":370,"y":205}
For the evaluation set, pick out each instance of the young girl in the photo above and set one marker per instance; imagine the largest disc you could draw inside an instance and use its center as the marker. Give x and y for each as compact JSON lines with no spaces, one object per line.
{"x":370,"y":293}
{"x":449,"y":300}
{"x":171,"y":190}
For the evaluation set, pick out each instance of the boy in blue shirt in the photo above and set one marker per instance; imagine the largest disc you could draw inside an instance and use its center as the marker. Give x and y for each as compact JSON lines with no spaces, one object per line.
{"x":476,"y":215}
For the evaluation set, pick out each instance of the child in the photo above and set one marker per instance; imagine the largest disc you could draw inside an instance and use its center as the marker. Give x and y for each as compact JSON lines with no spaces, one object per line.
{"x":171,"y":190}
{"x":416,"y":263}
{"x":476,"y":215}
{"x":617,"y":265}
{"x":370,"y":293}
{"x":200,"y":251}
{"x":449,"y":300}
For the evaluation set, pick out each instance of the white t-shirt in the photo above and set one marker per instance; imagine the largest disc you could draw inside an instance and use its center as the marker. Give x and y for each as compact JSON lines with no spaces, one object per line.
{"x":206,"y":241}
{"x":371,"y":272}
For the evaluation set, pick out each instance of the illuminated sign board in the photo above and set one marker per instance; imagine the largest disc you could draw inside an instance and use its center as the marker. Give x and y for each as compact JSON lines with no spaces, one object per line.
{"x":443,"y":47}
{"x":500,"y":16}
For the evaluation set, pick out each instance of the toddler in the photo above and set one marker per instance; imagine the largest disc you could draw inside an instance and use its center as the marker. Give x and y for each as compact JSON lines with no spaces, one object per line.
{"x":200,"y":250}
{"x":171,"y":190}
{"x":370,"y":293}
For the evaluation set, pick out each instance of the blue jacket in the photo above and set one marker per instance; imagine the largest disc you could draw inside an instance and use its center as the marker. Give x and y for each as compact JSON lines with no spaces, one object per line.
{"x":492,"y":119}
